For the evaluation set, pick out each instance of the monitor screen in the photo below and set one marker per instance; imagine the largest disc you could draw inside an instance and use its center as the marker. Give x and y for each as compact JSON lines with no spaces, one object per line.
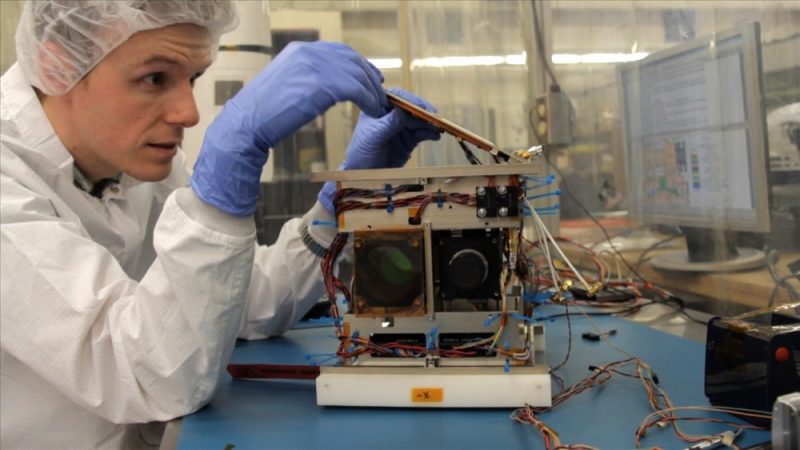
{"x":694,"y":134}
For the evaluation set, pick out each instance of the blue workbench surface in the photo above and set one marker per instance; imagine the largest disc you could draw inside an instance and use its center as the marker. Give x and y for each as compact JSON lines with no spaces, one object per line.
{"x":283,"y":414}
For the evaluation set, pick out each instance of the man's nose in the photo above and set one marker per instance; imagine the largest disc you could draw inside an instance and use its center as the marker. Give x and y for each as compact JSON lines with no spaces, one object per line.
{"x":182,"y":109}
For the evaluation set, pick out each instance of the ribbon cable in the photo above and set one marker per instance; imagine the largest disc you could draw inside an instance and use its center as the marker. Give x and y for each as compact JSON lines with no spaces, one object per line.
{"x":273,"y":371}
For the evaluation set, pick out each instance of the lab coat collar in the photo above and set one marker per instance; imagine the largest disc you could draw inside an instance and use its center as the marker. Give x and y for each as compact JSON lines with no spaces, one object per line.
{"x":23,"y":118}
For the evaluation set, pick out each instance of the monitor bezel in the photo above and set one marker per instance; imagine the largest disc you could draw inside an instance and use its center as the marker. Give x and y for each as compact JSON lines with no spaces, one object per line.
{"x":758,"y":150}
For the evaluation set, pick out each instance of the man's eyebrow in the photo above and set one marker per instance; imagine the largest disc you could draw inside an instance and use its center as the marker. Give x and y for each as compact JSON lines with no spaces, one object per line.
{"x":160,"y":59}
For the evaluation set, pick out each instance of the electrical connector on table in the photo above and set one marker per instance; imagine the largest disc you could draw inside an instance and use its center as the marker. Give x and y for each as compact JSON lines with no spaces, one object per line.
{"x":589,"y":336}
{"x":726,"y":438}
{"x":594,"y":288}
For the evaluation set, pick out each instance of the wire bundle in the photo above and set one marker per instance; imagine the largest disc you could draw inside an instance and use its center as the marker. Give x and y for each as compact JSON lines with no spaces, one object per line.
{"x":353,"y":346}
{"x":666,"y":416}
{"x":421,"y":201}
{"x":535,"y":255}
{"x":599,"y":376}
{"x":331,"y":282}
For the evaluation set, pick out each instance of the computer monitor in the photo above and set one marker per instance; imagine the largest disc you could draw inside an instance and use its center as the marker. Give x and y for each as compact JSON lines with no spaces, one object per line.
{"x":695,"y":146}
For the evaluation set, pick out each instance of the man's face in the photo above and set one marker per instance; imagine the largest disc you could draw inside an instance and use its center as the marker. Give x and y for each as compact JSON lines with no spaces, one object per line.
{"x":128,"y":114}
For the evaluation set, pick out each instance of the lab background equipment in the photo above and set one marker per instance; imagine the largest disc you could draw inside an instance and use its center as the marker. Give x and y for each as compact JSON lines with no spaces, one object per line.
{"x":696,"y":151}
{"x":753,"y":358}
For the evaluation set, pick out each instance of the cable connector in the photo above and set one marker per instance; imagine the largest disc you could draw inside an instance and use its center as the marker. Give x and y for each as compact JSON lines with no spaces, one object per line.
{"x":594,"y":288}
{"x":530,"y":153}
{"x":589,"y":336}
{"x":558,"y":298}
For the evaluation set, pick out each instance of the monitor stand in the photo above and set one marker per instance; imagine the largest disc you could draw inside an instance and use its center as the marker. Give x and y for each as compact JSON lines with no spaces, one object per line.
{"x":638,"y":240}
{"x":709,"y":251}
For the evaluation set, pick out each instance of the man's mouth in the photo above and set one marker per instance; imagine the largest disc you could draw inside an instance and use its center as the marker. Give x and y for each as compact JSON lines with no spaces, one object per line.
{"x":164,"y":145}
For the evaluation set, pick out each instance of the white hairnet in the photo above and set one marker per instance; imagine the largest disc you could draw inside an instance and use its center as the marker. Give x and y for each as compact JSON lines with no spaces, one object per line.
{"x":83,"y":32}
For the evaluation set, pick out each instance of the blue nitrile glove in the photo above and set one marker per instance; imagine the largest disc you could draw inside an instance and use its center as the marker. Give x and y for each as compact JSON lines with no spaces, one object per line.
{"x":383,"y":142}
{"x":303,"y":81}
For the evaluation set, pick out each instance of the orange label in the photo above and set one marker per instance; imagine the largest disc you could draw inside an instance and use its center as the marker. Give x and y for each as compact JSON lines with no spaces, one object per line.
{"x":427,"y":395}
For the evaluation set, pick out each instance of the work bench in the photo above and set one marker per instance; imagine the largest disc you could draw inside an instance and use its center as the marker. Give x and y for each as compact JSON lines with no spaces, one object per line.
{"x":283,"y":414}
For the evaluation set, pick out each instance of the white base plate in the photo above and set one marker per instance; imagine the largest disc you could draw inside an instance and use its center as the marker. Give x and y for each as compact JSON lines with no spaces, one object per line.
{"x":441,"y":387}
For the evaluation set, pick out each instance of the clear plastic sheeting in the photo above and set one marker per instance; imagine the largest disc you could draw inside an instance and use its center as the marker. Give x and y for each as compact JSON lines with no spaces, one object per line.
{"x":493,"y":66}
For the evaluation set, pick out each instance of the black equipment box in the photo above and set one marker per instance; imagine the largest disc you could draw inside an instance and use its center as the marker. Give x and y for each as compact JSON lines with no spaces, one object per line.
{"x":753,"y":358}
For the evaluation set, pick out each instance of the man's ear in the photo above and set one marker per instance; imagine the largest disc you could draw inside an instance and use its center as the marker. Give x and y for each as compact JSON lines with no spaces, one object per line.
{"x":57,"y":72}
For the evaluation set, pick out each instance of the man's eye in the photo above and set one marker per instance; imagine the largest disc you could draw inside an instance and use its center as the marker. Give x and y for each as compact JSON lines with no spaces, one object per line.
{"x":155,"y":79}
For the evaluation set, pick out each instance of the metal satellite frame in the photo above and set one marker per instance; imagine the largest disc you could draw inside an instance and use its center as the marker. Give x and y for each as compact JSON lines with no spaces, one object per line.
{"x":436,"y":316}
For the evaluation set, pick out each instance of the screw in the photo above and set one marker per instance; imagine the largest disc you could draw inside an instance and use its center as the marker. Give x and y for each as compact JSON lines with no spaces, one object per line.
{"x":502,"y":212}
{"x":502,"y":190}
{"x":358,"y":243}
{"x":481,"y":212}
{"x":481,"y":191}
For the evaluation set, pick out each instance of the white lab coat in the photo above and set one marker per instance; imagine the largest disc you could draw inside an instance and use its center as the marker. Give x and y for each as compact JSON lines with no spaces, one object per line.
{"x":124,"y":309}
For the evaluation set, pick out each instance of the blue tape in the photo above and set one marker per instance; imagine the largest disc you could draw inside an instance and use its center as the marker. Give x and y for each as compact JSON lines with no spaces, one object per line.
{"x":542,"y":181}
{"x":326,"y":357}
{"x":536,"y":298}
{"x":555,"y":193}
{"x":430,"y":338}
{"x":522,"y":317}
{"x":324,"y":223}
{"x":536,"y":178}
{"x":389,"y":204}
{"x":492,"y":318}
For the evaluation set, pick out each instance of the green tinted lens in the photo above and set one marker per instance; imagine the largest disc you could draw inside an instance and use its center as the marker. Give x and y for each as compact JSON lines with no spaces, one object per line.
{"x":395,"y":267}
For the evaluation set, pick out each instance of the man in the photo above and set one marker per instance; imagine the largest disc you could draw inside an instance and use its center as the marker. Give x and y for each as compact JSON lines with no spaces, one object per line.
{"x":123,"y":290}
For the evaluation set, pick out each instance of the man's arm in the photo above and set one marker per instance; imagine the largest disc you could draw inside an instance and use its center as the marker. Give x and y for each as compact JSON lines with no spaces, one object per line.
{"x":127,"y":351}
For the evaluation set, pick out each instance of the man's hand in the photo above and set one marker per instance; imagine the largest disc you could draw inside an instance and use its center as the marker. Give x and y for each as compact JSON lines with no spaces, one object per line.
{"x":383,"y":142}
{"x":303,"y":81}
